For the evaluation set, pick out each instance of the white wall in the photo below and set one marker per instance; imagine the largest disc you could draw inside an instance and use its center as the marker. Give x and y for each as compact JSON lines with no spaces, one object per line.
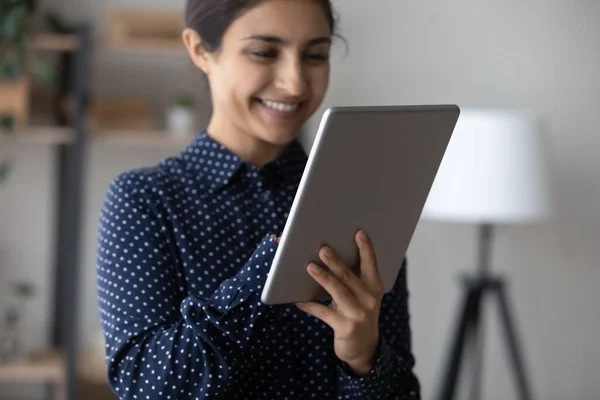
{"x":540,"y":54}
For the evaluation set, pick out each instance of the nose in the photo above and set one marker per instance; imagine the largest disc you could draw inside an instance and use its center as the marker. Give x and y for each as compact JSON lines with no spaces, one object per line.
{"x":291,"y":78}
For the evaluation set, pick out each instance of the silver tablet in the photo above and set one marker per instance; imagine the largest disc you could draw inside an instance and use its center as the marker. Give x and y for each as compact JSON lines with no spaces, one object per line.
{"x":370,"y":168}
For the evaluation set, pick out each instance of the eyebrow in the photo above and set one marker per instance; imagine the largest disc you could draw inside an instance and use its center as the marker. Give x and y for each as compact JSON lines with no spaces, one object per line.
{"x":278,"y":40}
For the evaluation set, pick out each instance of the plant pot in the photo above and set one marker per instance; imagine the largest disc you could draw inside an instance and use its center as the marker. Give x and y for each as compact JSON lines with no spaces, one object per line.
{"x":14,"y":100}
{"x":181,"y":120}
{"x":13,"y":342}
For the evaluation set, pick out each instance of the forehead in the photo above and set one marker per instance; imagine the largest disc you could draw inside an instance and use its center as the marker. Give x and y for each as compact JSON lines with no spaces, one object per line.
{"x":290,"y":19}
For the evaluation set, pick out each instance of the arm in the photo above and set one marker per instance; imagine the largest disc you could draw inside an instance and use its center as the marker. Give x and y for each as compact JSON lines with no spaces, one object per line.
{"x":162,"y":342}
{"x":392,"y":376}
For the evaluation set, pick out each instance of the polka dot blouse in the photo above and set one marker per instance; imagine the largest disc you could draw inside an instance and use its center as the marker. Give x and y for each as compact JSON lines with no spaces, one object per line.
{"x":184,"y":250}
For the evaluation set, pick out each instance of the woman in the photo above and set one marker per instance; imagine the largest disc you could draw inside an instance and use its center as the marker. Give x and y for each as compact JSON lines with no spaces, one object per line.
{"x":185,"y":246}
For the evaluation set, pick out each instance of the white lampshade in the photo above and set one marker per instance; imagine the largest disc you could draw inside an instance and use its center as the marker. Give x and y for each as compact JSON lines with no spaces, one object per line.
{"x":493,"y":171}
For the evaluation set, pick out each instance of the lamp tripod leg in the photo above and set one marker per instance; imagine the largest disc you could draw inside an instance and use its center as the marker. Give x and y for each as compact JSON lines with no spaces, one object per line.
{"x":513,"y":344}
{"x":477,"y":349}
{"x":468,"y":318}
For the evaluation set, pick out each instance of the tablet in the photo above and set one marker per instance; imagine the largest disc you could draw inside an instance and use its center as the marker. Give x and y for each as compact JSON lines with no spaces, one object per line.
{"x":369,"y":167}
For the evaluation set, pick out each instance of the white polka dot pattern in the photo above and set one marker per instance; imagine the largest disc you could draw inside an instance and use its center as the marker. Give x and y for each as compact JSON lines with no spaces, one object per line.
{"x":184,"y":250}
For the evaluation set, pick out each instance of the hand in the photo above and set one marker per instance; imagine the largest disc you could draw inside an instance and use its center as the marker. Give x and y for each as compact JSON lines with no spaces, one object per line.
{"x":354,"y":315}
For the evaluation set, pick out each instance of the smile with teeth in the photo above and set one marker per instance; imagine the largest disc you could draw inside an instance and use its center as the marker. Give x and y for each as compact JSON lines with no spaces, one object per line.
{"x":285,"y":107}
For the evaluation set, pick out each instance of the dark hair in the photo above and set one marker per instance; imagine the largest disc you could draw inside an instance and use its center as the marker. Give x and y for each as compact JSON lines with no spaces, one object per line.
{"x":212,"y":18}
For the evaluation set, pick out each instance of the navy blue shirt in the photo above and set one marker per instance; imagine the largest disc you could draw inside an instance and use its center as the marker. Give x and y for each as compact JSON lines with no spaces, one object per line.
{"x":184,"y":250}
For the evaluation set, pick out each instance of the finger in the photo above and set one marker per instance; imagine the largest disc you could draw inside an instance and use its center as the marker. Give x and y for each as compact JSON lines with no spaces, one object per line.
{"x":339,"y":292}
{"x":369,"y":271}
{"x":344,"y":274}
{"x":324,"y":313}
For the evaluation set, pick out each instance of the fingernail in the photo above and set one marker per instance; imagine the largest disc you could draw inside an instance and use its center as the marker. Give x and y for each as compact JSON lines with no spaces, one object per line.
{"x":325,"y":252}
{"x":314,"y":269}
{"x":362,"y":235}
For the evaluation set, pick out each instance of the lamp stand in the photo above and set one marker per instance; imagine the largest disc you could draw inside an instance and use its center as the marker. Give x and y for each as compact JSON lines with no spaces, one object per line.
{"x":470,"y":328}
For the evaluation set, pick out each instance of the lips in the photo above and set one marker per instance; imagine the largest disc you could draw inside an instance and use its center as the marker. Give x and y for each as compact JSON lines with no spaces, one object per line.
{"x":281,"y":106}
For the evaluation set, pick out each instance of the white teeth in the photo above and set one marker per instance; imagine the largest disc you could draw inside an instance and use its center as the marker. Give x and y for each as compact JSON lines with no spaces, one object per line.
{"x":280,"y":106}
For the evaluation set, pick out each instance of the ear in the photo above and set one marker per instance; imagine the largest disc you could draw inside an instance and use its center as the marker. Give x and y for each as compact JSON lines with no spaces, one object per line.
{"x":197,"y":52}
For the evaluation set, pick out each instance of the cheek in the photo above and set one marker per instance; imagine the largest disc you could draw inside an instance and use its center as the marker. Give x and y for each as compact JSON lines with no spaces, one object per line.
{"x":247,"y":80}
{"x":320,"y":82}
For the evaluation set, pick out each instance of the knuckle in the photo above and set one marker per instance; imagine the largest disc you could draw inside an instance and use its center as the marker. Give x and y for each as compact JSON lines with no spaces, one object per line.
{"x":373,"y":259}
{"x":371,"y":303}
{"x":360,"y":317}
{"x":369,"y":258}
{"x":345,"y":293}
{"x":348,"y":329}
{"x":345,"y":274}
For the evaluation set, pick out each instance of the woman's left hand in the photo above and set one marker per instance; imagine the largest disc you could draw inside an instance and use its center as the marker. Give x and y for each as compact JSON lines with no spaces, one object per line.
{"x":354,"y":315}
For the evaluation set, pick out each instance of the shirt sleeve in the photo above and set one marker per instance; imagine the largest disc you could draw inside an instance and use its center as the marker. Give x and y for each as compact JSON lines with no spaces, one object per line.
{"x":392,"y":376}
{"x":162,"y":342}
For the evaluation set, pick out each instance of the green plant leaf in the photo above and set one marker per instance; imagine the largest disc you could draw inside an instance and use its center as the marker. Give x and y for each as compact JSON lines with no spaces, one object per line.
{"x":46,"y":74}
{"x":7,"y":123}
{"x":13,"y":24}
{"x":10,"y":69}
{"x":31,"y":5}
{"x":12,"y":317}
{"x":5,"y":168}
{"x":56,"y":23}
{"x":24,"y":289}
{"x":184,"y":100}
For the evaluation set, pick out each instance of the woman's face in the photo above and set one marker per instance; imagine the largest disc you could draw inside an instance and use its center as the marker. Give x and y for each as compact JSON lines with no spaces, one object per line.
{"x":272,"y":71}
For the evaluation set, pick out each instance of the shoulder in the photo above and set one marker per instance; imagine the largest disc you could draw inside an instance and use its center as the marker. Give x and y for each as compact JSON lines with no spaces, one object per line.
{"x":150,"y":185}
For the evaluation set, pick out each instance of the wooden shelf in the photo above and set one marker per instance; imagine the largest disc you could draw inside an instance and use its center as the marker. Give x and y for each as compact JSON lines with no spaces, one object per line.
{"x":121,"y":138}
{"x":153,"y":47}
{"x":46,"y":135}
{"x":50,"y":367}
{"x":92,"y":368}
{"x":149,"y":139}
{"x":46,"y":367}
{"x":144,"y":30}
{"x":54,"y":42}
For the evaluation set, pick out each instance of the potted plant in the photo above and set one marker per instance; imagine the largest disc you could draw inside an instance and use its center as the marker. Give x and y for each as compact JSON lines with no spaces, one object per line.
{"x":180,"y":116}
{"x":6,"y":124}
{"x":13,"y":344}
{"x":14,"y":81}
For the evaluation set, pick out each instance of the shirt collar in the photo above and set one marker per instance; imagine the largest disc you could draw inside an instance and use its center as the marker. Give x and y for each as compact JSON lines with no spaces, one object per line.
{"x":218,"y":166}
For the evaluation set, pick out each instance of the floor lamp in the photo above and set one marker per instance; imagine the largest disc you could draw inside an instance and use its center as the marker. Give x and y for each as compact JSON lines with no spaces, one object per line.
{"x":492,"y":174}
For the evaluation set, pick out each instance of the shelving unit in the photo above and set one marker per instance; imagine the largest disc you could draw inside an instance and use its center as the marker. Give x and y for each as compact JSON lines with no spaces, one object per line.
{"x":48,"y":368}
{"x":54,"y":135}
{"x":151,"y":47}
{"x":46,"y":135}
{"x":145,"y":139}
{"x":63,"y":367}
{"x":44,"y":368}
{"x":54,"y":42}
{"x":144,"y":30}
{"x":58,"y":366}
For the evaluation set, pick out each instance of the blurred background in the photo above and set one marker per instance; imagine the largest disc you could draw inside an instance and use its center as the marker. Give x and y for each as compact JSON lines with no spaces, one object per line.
{"x":57,"y":158}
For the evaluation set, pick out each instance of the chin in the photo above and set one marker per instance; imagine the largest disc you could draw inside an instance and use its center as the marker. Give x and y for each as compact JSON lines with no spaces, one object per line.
{"x":281,"y":136}
{"x":280,"y":123}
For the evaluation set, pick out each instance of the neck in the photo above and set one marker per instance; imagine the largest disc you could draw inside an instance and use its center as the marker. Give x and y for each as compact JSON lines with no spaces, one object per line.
{"x":245,"y":145}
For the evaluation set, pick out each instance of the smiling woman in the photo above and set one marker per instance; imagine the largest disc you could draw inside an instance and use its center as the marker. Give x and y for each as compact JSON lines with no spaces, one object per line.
{"x":267,"y":67}
{"x":185,"y":246}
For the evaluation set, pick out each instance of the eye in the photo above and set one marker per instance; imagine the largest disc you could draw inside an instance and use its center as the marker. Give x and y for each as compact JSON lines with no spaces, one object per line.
{"x":316,"y":57}
{"x":265,"y":53}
